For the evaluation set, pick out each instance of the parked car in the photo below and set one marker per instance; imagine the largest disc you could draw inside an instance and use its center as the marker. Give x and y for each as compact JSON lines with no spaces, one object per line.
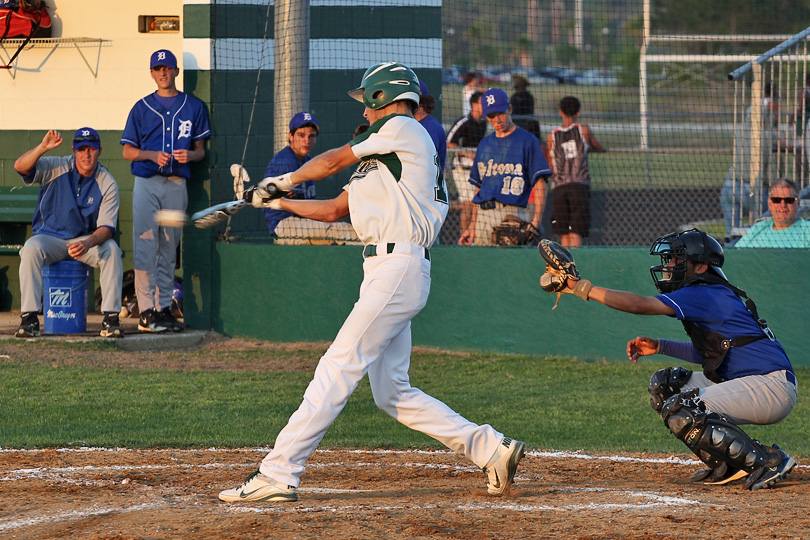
{"x":597,"y":77}
{"x":559,"y":74}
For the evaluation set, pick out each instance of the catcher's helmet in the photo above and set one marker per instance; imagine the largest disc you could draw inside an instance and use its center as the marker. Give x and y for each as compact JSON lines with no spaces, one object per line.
{"x":677,"y":248}
{"x":386,"y":83}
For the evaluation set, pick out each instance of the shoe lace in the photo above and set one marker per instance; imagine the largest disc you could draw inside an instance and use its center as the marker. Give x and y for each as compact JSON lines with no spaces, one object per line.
{"x":249,"y":478}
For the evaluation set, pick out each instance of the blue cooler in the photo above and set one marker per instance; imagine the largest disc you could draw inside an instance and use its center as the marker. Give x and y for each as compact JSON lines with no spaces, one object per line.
{"x":64,"y":287}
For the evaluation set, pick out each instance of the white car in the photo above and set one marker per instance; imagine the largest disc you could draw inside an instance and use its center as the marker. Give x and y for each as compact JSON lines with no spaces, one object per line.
{"x":597,"y":77}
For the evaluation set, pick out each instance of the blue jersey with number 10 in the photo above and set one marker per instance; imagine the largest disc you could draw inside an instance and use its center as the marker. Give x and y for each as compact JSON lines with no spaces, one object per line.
{"x":151,"y":126}
{"x":506,"y":168}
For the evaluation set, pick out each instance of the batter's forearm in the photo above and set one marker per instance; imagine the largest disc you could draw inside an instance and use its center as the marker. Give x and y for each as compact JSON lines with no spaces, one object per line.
{"x":326,"y":164}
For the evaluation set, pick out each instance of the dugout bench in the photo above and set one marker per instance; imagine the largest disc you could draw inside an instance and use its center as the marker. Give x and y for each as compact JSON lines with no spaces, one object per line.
{"x":17,"y":205}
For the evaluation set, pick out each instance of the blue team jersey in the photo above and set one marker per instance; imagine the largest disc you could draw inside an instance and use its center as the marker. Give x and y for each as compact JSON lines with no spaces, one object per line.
{"x":151,"y":126}
{"x":283,"y":162}
{"x":436,"y":132}
{"x":715,"y":308}
{"x":506,"y":168}
{"x":71,"y":205}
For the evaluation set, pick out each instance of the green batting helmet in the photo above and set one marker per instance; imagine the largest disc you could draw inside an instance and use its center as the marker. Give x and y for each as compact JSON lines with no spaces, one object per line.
{"x":386,"y":83}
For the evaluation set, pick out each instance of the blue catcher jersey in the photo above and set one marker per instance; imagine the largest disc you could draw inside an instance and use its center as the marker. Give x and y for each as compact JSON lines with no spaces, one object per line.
{"x":715,"y":308}
{"x":506,"y":168}
{"x":151,"y":126}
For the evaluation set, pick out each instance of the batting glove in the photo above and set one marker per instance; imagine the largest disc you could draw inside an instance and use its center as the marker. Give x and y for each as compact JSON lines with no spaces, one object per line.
{"x":281,"y":183}
{"x":255,"y":200}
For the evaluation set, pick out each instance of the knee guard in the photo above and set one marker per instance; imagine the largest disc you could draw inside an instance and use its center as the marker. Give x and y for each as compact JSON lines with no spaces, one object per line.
{"x":711,"y":437}
{"x":665,"y":383}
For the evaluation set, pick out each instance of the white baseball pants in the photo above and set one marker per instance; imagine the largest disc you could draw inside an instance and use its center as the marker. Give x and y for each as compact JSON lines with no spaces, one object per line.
{"x":376,"y":339}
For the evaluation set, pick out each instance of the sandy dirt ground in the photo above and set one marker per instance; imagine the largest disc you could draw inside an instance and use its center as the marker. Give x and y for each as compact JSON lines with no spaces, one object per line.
{"x":166,"y":494}
{"x":124,"y":494}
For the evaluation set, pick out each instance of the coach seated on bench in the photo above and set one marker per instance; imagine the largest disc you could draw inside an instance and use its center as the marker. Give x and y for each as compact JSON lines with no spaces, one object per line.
{"x":75,"y":218}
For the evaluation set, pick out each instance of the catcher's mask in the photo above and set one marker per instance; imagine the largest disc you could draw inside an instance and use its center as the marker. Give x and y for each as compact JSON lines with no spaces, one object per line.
{"x":386,"y":83}
{"x":677,"y":248}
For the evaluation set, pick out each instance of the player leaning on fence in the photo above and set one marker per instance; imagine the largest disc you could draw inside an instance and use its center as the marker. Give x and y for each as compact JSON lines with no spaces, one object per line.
{"x":397,"y":203}
{"x":746,"y":377}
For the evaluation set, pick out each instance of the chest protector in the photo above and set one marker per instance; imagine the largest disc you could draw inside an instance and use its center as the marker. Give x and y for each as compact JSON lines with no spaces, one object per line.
{"x":712,"y":346}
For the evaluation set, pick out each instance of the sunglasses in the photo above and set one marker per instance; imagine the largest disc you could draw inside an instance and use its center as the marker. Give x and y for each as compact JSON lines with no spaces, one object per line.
{"x":88,"y":138}
{"x":778,"y":200}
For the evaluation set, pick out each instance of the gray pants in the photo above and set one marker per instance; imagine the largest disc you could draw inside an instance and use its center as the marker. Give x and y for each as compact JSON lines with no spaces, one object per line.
{"x":43,"y":249}
{"x":755,"y":399}
{"x":155,"y":248}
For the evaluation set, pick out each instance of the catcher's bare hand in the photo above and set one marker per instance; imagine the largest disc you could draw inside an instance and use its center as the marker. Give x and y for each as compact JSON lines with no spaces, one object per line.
{"x":641,"y":346}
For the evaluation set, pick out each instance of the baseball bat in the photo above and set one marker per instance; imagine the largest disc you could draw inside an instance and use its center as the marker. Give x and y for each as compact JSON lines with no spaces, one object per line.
{"x":221,"y":212}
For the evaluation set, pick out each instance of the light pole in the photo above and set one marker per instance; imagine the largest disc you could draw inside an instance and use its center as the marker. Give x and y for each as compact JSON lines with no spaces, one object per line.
{"x":605,"y":32}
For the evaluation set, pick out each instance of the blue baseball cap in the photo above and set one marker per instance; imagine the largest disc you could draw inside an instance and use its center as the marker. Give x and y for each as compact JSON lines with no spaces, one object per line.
{"x":301,"y":119}
{"x":494,"y":100}
{"x":86,"y":136}
{"x":163,"y":57}
{"x":423,"y":89}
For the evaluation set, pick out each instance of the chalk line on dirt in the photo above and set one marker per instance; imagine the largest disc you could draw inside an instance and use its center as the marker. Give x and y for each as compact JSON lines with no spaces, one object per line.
{"x":74,"y":516}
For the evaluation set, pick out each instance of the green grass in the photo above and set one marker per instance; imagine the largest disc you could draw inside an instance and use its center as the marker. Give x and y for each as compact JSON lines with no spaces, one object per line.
{"x":551,"y":403}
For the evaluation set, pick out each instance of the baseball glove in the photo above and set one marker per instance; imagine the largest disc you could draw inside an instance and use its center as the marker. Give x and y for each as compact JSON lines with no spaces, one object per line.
{"x":560,"y":266}
{"x":513,"y":231}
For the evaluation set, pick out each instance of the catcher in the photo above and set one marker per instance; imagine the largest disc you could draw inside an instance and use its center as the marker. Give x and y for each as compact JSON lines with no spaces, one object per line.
{"x":746,"y":377}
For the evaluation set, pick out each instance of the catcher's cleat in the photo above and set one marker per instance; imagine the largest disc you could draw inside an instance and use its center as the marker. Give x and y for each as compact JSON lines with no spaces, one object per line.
{"x":258,"y":487}
{"x":765,"y":477}
{"x":717,"y":477}
{"x":501,"y":469}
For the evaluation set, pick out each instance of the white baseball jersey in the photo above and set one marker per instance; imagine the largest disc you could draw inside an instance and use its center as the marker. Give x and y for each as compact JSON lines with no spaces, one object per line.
{"x":395,"y":195}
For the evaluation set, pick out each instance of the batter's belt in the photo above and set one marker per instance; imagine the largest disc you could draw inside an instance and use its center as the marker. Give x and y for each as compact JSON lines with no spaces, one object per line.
{"x":387,"y":248}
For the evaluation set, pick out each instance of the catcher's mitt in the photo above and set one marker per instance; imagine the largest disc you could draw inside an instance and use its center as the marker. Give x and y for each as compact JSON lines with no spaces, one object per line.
{"x":513,"y":231}
{"x":560,"y":266}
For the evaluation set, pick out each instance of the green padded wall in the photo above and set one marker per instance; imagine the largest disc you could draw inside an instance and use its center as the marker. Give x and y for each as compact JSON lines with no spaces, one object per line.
{"x":486,"y":298}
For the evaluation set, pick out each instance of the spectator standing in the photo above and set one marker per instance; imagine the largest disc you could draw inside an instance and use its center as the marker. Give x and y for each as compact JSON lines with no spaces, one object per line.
{"x":509,"y":165}
{"x":472,"y":84}
{"x":165,"y":131}
{"x":75,"y":218}
{"x":522,"y":102}
{"x":568,"y":147}
{"x":424,"y":115}
{"x":465,"y":134}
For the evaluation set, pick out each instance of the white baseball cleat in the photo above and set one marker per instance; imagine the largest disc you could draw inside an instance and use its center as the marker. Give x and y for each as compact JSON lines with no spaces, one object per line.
{"x":258,"y":487}
{"x":501,"y":469}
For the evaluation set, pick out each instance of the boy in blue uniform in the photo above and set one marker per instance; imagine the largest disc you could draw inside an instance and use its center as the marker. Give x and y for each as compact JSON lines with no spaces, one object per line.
{"x":165,"y":131}
{"x":509,"y":164}
{"x":75,"y":218}
{"x":286,"y":227}
{"x":746,"y":378}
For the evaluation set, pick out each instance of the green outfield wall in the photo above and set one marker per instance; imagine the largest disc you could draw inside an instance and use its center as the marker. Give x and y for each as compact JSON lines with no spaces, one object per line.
{"x":481,"y":299}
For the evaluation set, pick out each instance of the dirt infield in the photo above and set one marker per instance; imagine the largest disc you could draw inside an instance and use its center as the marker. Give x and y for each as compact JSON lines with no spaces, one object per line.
{"x":172,"y":494}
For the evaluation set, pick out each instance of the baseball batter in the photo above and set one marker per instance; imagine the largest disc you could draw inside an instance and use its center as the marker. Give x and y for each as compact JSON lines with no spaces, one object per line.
{"x":165,"y":132}
{"x":397,"y":202}
{"x":746,"y":376}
